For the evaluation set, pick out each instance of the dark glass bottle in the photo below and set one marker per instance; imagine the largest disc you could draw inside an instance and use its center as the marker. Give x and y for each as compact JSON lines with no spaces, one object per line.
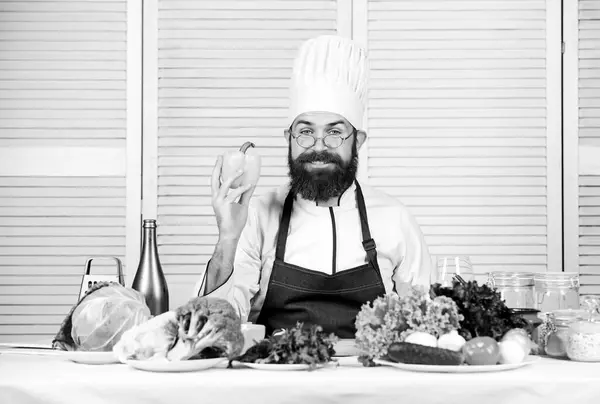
{"x":149,"y":279}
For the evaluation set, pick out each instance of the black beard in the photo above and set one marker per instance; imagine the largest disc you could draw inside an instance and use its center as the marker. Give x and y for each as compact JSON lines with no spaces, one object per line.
{"x":321,"y":185}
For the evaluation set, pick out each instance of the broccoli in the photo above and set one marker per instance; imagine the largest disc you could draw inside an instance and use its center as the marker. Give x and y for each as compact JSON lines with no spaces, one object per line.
{"x":204,"y":323}
{"x":202,"y":328}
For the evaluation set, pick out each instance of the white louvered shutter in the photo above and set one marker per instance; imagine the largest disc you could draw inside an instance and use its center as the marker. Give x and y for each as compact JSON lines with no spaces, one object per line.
{"x":62,"y":155}
{"x":461,"y":126}
{"x":222,"y":76}
{"x":589,"y":144}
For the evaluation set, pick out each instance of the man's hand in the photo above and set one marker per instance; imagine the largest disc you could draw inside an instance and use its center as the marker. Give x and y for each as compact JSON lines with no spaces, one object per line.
{"x":231,"y":208}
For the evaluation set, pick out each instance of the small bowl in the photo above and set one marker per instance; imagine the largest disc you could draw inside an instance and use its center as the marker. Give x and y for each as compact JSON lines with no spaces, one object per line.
{"x":529,"y":315}
{"x":346,"y":347}
{"x":253,"y":333}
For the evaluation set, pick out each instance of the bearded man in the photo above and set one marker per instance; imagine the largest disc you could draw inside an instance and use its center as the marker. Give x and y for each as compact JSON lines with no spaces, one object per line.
{"x":318,"y":248}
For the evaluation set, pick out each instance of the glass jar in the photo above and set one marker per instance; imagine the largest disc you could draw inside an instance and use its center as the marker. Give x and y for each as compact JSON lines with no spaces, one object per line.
{"x":553,"y":333}
{"x":516,"y":288}
{"x":583,"y":337}
{"x":454,"y":268}
{"x":583,"y":341}
{"x":557,"y":291}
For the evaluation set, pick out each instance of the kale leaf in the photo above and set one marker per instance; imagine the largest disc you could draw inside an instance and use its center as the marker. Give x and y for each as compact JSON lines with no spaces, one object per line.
{"x":298,"y":345}
{"x":485,"y":313}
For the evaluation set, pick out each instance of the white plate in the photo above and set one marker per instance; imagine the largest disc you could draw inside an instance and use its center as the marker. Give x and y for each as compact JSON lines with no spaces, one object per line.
{"x":35,"y":352}
{"x":158,"y":365}
{"x":91,"y":358}
{"x":458,"y":369}
{"x":347,"y":361}
{"x":279,"y":367}
{"x":21,"y":345}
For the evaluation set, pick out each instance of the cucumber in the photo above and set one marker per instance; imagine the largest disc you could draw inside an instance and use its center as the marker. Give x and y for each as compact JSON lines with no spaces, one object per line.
{"x":405,"y":352}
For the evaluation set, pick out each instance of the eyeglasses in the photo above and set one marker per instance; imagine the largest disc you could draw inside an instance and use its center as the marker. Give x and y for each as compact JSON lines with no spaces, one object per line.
{"x":332,"y":140}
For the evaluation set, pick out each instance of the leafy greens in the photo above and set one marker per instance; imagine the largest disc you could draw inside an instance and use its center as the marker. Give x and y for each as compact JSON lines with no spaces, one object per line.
{"x":298,"y":345}
{"x":485,"y":313}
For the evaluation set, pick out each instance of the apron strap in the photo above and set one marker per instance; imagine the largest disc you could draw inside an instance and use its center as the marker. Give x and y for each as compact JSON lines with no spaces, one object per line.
{"x":284,"y":226}
{"x":368,"y":242}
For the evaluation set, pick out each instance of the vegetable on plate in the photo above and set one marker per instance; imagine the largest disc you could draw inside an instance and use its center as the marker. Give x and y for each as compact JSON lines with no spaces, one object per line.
{"x":481,"y":351}
{"x":205,"y":327}
{"x":297,"y":345}
{"x":392,"y":318}
{"x":451,"y":341}
{"x":484,"y":312}
{"x":405,"y":352}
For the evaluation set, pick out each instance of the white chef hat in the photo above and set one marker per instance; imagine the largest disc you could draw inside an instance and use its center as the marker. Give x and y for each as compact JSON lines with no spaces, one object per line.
{"x":330,"y":75}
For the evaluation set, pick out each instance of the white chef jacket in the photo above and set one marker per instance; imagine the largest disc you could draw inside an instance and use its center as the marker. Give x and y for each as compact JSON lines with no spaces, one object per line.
{"x":402,"y":254}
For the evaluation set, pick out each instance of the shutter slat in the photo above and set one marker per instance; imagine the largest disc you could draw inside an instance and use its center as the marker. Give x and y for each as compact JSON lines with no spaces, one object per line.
{"x":58,"y":232}
{"x":62,"y":56}
{"x":243,"y":5}
{"x":223,"y":70}
{"x":460,"y":181}
{"x":457,"y":93}
{"x":249,"y":14}
{"x":76,"y":241}
{"x":457,"y":24}
{"x":38,"y":290}
{"x":454,"y":172}
{"x":39,"y":268}
{"x":68,"y":36}
{"x":21,"y":310}
{"x":64,"y":26}
{"x":278,"y":24}
{"x":487,"y":221}
{"x":17,"y":319}
{"x":57,"y":46}
{"x":589,"y":128}
{"x":449,"y":36}
{"x":456,"y":162}
{"x":66,"y":6}
{"x":62,"y":87}
{"x":31,"y":16}
{"x":508,"y":213}
{"x":462,"y":6}
{"x":457,"y":124}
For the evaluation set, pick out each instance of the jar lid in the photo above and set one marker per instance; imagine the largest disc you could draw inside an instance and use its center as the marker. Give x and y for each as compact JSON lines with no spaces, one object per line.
{"x":586,"y":327}
{"x":501,"y":278}
{"x":568,"y":314}
{"x":557,"y":280}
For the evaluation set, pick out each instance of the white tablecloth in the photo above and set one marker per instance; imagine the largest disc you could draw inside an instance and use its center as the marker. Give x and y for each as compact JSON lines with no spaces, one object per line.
{"x":50,"y":379}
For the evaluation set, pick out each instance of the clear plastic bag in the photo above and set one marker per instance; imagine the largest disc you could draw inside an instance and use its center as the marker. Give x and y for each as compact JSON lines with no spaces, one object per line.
{"x":103,"y":316}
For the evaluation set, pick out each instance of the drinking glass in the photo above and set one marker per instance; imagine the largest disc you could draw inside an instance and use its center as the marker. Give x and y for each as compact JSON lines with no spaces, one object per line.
{"x":449,"y":267}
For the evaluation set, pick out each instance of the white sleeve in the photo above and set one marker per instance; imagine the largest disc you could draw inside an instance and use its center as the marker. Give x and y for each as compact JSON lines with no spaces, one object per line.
{"x":242,"y":285}
{"x":415,"y":266}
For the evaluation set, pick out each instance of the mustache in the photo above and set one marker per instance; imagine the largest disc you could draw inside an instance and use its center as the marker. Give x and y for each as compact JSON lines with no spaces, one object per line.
{"x":323,"y":157}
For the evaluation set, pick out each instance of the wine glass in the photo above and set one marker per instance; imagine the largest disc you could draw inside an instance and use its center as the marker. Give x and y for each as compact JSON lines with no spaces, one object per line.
{"x":449,"y":268}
